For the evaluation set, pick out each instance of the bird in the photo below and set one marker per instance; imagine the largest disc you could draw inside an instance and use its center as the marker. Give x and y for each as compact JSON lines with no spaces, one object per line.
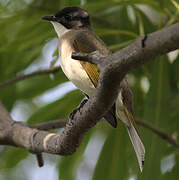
{"x":75,"y":33}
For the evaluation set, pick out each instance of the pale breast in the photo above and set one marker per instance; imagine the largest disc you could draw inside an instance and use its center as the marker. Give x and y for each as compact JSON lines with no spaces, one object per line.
{"x":74,"y":70}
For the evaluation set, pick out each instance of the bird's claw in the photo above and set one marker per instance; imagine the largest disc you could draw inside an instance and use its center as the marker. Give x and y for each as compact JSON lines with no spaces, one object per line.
{"x":71,"y":116}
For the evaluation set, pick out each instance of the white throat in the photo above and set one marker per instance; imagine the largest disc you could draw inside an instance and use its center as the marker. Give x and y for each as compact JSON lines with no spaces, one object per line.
{"x":59,"y":28}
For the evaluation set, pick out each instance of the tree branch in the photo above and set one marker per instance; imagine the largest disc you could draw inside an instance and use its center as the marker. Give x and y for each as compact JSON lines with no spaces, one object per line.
{"x":162,"y":134}
{"x":25,"y":76}
{"x":55,"y":124}
{"x":112,"y":68}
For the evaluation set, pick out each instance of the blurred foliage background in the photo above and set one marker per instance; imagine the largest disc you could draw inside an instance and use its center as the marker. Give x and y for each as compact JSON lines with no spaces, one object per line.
{"x":28,"y":44}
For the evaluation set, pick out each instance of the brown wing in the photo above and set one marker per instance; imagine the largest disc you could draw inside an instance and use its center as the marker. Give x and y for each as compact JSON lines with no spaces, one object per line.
{"x":86,"y":42}
{"x":127,"y":96}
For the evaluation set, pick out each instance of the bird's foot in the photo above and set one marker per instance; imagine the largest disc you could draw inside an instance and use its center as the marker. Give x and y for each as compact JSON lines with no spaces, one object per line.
{"x":71,"y":116}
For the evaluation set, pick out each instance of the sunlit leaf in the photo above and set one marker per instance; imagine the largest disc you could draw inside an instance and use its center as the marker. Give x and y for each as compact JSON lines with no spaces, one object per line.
{"x":175,"y":4}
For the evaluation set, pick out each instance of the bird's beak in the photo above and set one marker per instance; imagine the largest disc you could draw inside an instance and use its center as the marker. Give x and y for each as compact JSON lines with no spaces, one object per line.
{"x":49,"y":18}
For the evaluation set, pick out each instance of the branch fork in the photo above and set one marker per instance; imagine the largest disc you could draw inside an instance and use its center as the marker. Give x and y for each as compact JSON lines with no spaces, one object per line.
{"x":112,"y":68}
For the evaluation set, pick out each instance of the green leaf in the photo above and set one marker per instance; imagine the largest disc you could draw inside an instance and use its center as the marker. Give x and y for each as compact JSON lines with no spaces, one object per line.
{"x":12,"y":156}
{"x":175,"y":74}
{"x":58,"y":109}
{"x":173,"y":173}
{"x":35,"y":86}
{"x":157,"y":113}
{"x":22,"y":38}
{"x":113,"y":162}
{"x":103,"y":32}
{"x":106,"y":5}
{"x":68,"y":166}
{"x":8,"y":101}
{"x":116,"y":47}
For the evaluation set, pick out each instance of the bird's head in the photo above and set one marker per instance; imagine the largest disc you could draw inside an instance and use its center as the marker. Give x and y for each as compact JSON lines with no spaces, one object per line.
{"x":70,"y":18}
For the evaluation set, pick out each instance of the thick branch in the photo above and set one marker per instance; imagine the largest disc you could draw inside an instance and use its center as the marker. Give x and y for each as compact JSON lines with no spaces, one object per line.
{"x":21,"y":135}
{"x":25,"y":76}
{"x":5,"y":125}
{"x":55,"y":124}
{"x":112,"y":70}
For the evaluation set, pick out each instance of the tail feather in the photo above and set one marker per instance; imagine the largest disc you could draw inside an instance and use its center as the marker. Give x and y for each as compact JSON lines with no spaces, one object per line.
{"x":111,"y":117}
{"x":137,"y":144}
{"x":127,"y":118}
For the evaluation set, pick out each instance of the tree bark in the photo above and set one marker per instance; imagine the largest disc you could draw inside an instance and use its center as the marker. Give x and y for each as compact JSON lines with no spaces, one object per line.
{"x":112,"y":68}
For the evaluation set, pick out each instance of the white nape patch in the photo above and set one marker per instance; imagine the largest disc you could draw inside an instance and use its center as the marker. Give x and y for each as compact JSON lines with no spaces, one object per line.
{"x":59,"y":28}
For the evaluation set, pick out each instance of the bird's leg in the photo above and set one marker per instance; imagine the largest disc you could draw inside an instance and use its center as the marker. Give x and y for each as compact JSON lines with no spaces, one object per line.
{"x":83,"y":102}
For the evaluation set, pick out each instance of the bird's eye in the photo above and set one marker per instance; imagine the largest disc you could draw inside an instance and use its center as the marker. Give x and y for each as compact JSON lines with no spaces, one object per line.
{"x":67,"y":17}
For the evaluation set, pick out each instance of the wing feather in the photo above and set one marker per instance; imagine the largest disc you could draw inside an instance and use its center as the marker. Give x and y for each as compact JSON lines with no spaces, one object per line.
{"x":87,"y":43}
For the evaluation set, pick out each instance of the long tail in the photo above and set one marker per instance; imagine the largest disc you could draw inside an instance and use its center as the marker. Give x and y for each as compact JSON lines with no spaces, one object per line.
{"x":127,"y":118}
{"x":137,"y":144}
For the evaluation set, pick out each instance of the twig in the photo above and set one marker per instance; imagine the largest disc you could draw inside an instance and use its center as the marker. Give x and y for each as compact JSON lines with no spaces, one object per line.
{"x":159,"y":132}
{"x":40,"y":160}
{"x":25,"y":76}
{"x":55,"y":124}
